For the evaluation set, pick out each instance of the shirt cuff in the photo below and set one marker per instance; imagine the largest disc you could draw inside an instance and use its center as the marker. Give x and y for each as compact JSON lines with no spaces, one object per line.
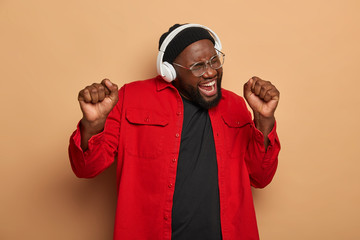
{"x":272,"y":136}
{"x":76,"y":137}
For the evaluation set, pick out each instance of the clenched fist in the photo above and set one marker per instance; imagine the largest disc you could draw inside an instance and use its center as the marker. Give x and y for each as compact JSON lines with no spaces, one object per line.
{"x":96,"y":102}
{"x":263,"y":98}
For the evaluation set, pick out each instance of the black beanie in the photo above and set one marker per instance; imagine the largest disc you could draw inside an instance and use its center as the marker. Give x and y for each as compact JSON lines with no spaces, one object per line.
{"x":182,"y":40}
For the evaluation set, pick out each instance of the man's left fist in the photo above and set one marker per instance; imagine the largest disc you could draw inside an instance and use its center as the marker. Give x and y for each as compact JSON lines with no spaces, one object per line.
{"x":262,"y":96}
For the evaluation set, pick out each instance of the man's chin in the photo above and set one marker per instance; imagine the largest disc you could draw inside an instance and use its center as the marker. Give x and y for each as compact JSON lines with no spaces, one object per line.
{"x":208,"y":102}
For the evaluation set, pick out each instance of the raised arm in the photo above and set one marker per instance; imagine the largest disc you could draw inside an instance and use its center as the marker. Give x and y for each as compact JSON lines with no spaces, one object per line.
{"x":262,"y":155}
{"x":93,"y":145}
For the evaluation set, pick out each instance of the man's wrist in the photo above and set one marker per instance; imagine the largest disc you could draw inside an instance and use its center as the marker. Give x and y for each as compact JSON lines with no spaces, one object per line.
{"x":264,"y":124}
{"x":92,"y":128}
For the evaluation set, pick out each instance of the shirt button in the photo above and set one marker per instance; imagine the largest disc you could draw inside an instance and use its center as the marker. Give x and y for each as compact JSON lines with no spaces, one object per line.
{"x":170,"y":185}
{"x":178,"y":113}
{"x":174,"y":160}
{"x":177,"y":135}
{"x":166,"y":217}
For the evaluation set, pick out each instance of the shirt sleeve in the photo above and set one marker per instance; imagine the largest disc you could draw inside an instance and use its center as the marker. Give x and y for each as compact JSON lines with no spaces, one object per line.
{"x":102,"y":148}
{"x":262,"y":163}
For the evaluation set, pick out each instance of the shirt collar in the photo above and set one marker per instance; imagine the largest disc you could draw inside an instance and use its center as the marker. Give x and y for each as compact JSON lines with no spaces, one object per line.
{"x":162,"y":84}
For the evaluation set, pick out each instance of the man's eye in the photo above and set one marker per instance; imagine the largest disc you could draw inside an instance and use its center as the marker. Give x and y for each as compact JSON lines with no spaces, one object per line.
{"x":214,"y":60}
{"x":197,"y":66}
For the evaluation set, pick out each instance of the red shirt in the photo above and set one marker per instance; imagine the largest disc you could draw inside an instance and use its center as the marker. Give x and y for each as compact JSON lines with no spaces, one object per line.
{"x":143,"y":134}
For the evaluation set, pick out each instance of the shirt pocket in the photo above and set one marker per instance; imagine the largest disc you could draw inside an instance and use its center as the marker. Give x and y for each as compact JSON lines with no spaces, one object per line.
{"x":237,"y":134}
{"x":145,"y":132}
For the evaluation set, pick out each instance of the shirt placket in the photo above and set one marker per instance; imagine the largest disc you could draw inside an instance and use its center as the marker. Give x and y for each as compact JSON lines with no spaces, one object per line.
{"x":172,"y":166}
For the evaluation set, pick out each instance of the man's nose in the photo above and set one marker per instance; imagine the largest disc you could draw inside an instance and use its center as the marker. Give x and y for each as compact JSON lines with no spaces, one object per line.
{"x":209,"y":72}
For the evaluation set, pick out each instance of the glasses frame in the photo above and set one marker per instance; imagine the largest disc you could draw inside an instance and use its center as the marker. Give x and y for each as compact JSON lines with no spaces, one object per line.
{"x":207,"y":63}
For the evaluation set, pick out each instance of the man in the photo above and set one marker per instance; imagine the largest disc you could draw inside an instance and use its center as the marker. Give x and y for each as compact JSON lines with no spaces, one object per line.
{"x":187,"y":151}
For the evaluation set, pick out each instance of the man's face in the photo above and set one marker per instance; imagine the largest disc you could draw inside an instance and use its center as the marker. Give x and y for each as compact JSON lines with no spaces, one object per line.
{"x":204,"y":90}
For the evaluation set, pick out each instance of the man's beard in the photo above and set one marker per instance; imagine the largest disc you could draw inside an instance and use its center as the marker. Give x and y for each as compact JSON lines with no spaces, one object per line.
{"x":194,"y":95}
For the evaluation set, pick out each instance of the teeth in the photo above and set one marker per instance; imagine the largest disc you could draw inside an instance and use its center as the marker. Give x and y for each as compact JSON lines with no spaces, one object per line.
{"x":209,"y":84}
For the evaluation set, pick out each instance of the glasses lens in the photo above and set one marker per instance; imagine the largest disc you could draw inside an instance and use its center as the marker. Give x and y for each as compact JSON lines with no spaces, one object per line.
{"x":198,"y":69}
{"x":217,"y":61}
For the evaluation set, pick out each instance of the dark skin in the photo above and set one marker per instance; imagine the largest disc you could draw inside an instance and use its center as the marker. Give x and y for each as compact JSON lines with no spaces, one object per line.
{"x":263,"y":99}
{"x":190,"y":86}
{"x":97,"y":100}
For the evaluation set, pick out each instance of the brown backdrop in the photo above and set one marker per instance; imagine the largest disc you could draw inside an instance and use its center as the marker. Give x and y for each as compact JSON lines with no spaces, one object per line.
{"x":51,"y":49}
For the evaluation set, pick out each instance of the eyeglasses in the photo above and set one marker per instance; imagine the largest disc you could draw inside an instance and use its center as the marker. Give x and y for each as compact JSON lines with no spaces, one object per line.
{"x":199,"y":68}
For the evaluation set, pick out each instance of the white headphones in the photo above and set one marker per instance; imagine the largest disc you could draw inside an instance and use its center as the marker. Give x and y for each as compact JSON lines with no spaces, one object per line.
{"x":165,"y":69}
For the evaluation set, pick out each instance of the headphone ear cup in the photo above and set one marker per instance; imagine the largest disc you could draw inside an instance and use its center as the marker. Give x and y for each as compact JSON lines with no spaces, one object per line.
{"x":168,"y":71}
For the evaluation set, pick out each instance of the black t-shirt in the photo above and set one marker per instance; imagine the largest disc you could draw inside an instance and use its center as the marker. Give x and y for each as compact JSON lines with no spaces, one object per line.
{"x":196,"y":210}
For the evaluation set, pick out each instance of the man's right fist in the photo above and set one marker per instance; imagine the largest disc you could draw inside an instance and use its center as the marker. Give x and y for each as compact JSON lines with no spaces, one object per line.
{"x":97,"y":101}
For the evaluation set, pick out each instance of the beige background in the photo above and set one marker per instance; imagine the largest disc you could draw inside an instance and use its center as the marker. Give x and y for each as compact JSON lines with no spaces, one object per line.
{"x":51,"y":49}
